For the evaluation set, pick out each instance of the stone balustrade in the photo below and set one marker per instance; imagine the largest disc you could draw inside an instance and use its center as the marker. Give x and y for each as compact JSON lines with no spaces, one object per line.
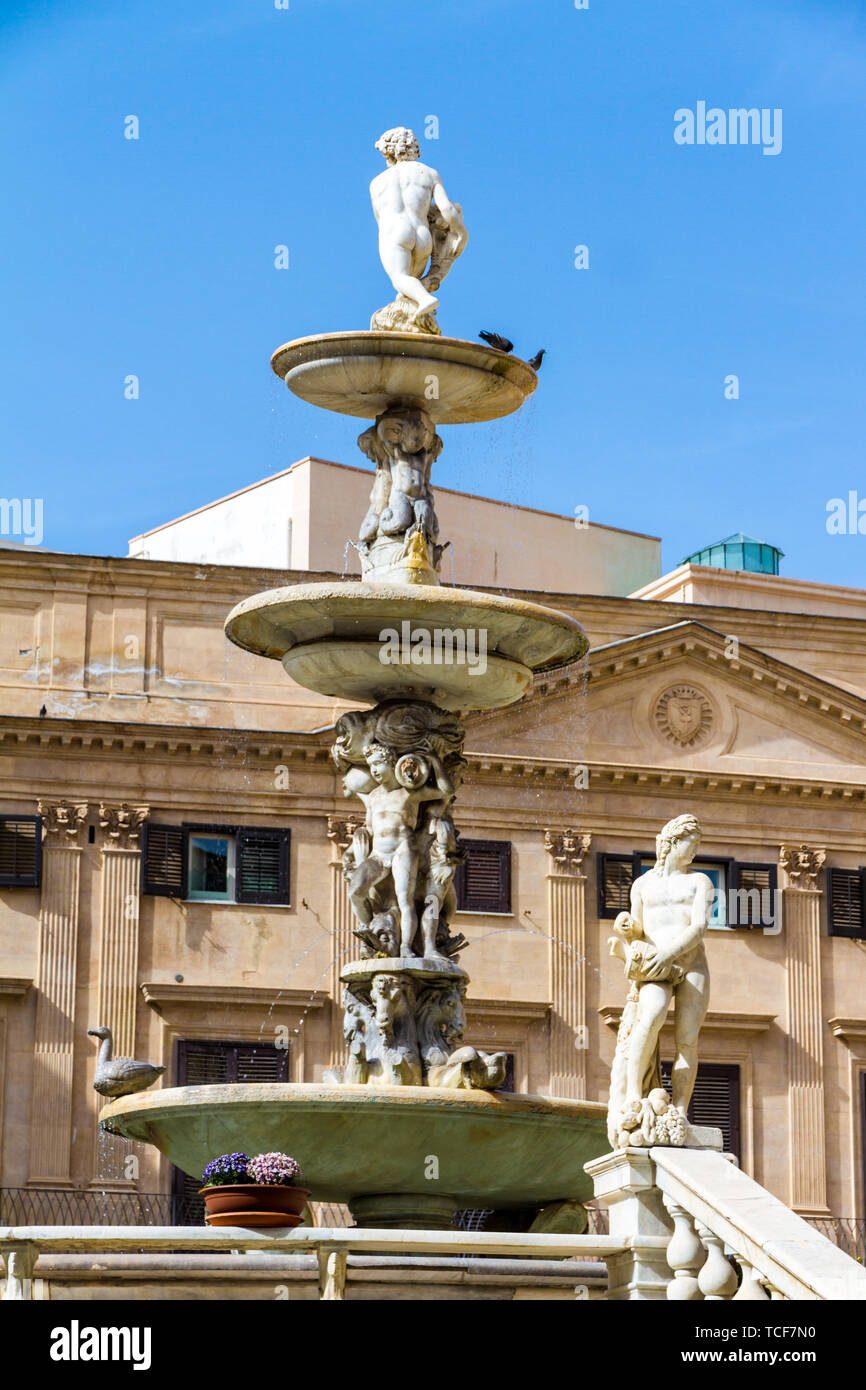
{"x":22,"y":1247}
{"x":724,"y":1221}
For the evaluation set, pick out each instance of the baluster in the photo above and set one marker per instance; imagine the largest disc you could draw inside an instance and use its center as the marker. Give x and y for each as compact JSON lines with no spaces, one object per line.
{"x":20,"y":1263}
{"x":718,"y":1278}
{"x":751,"y":1288}
{"x":685,"y":1255}
{"x":332,"y":1274}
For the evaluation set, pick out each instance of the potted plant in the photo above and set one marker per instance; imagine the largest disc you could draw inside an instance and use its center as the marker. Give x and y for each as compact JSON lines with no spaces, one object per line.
{"x":254,"y":1192}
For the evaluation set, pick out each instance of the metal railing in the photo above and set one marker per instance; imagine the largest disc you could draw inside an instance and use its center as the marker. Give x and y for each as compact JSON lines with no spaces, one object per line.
{"x":848,"y":1232}
{"x":35,"y":1206}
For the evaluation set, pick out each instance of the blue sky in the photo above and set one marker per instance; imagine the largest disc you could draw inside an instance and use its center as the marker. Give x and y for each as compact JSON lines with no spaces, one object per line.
{"x":155,"y":257}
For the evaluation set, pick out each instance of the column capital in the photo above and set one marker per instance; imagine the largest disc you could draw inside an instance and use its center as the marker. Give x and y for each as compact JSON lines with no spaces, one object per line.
{"x":801,"y":865}
{"x":122,"y":824}
{"x":567,"y":848}
{"x":68,"y":817}
{"x":340,"y":831}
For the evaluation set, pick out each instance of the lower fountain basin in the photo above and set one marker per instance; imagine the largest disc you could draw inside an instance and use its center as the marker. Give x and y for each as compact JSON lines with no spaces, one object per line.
{"x":355,"y":1143}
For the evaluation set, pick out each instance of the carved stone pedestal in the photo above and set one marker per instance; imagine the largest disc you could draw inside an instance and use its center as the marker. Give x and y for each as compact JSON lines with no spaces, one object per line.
{"x":625,"y":1181}
{"x":404,"y":1020}
{"x":402,"y":1211}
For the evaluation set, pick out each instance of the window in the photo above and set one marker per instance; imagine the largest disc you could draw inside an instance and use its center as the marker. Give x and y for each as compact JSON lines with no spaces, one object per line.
{"x":745,"y":894}
{"x":752,"y":899}
{"x":20,"y":851}
{"x":615,"y":874}
{"x":212,"y":1064}
{"x":211,"y":867}
{"x":719,"y":871}
{"x":483,"y":880}
{"x":216,"y":863}
{"x":715,"y":1100}
{"x":846,"y":902}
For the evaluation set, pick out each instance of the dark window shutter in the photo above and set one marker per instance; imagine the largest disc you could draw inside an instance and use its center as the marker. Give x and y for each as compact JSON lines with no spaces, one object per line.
{"x":208,"y":1063}
{"x":616,"y":873}
{"x":262,"y":1062}
{"x":163,"y":860}
{"x":752,"y":895}
{"x":263,"y":866}
{"x":715,"y":1100}
{"x":846,"y":902}
{"x":483,"y":881}
{"x":508,"y":1083}
{"x":20,"y":851}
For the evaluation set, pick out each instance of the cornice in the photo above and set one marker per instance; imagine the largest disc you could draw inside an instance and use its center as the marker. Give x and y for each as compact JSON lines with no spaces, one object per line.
{"x":160,"y":995}
{"x":718,"y":1020}
{"x":848,"y":1029}
{"x":101,"y":738}
{"x":504,"y":770}
{"x":654,"y":650}
{"x":10,"y":985}
{"x":507,"y":1010}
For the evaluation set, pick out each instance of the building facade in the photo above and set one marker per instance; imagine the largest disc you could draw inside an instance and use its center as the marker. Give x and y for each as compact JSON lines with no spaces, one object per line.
{"x":171,"y":826}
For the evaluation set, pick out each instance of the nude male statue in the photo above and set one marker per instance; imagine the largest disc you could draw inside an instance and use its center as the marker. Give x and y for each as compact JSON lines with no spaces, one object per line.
{"x":417,"y":221}
{"x":393,"y":791}
{"x":664,"y":954}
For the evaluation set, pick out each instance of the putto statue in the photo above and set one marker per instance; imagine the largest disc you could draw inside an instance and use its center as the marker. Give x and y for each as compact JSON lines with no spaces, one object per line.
{"x":404,"y":761}
{"x":403,"y":999}
{"x":401,"y":521}
{"x":660,"y":942}
{"x":418,"y":224}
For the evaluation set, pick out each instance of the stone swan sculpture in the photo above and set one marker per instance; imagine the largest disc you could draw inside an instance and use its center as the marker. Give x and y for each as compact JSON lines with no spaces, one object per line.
{"x":119,"y":1076}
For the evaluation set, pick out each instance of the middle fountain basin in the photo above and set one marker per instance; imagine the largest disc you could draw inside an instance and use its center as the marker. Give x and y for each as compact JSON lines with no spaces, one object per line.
{"x":458,"y":647}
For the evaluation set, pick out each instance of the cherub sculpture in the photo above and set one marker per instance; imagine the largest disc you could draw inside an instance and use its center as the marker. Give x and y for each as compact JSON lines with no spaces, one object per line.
{"x":660,"y":942}
{"x":404,"y":445}
{"x":393,"y":790}
{"x":418,"y":223}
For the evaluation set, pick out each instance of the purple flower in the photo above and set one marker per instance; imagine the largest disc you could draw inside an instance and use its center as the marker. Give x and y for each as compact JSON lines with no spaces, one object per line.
{"x":273,"y":1169}
{"x":228,"y":1168}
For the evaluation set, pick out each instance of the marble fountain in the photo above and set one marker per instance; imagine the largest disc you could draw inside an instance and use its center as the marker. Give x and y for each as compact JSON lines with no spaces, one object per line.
{"x":413,"y":1127}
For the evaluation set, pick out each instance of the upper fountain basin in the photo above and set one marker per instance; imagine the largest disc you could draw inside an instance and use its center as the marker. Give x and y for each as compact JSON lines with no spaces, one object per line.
{"x":457,"y":647}
{"x":494,"y":1149}
{"x":364,"y":374}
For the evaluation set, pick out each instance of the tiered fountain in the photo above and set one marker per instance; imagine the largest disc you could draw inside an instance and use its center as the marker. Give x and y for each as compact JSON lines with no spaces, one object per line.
{"x":418,"y":653}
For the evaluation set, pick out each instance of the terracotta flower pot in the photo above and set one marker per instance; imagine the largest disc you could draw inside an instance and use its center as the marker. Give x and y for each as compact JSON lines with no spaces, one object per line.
{"x":254,"y":1204}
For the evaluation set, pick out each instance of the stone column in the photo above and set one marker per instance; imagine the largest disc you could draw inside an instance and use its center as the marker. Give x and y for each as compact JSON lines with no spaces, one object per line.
{"x":117,"y":967}
{"x":801,"y":925}
{"x":566,"y":917}
{"x":51,"y":1125}
{"x":340,"y":831}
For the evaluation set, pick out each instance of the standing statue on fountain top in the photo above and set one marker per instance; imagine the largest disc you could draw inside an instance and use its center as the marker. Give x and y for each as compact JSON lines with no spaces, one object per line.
{"x":660,"y":941}
{"x":417,"y":223}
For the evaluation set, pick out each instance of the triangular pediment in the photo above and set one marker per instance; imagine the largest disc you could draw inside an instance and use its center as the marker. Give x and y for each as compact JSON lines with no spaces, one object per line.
{"x":685,"y":696}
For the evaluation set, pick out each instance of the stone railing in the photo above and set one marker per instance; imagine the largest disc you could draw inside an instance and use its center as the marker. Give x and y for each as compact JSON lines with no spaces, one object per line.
{"x":698,"y":1228}
{"x":22,"y":1247}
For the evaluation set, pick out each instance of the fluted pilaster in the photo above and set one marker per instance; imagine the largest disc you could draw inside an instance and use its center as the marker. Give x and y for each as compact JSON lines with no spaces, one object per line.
{"x":566,"y":917}
{"x":120,"y":867}
{"x":51,"y":1127}
{"x":801,"y":916}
